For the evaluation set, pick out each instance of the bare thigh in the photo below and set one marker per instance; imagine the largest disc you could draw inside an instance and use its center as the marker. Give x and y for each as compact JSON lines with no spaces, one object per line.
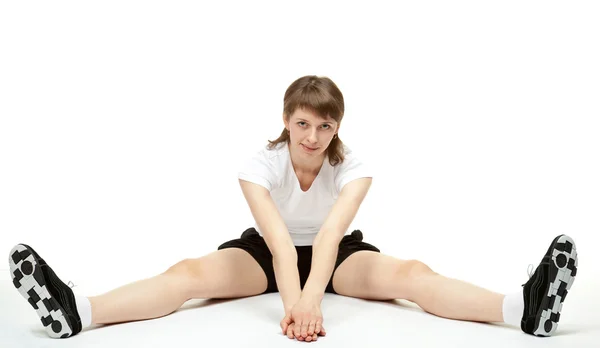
{"x":227,"y":273}
{"x":376,"y":276}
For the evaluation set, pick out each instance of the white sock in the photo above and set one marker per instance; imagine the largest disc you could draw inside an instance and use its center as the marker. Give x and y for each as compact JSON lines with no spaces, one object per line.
{"x":84,"y":309}
{"x":512,"y":308}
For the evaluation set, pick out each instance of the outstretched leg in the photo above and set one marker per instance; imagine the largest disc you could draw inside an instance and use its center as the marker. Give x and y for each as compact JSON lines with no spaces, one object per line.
{"x":375,"y":276}
{"x":225,"y":273}
{"x":228,"y":273}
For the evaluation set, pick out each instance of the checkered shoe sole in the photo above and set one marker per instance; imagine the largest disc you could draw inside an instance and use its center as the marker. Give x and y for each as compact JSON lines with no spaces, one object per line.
{"x":28,"y":278}
{"x":562,"y":272}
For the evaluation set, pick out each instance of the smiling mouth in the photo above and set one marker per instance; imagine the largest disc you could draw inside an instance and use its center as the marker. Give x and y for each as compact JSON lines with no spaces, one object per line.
{"x":309,"y":148}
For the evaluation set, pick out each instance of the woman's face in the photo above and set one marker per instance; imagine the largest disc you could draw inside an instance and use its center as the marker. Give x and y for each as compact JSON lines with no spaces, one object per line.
{"x":309,"y":134}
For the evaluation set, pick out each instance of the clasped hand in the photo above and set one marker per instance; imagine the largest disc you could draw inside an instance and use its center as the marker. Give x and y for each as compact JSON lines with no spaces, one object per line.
{"x":304,"y":321}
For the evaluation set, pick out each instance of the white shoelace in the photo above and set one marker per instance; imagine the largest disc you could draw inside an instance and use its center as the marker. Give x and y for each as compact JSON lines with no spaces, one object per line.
{"x":71,"y":285}
{"x":530,"y":270}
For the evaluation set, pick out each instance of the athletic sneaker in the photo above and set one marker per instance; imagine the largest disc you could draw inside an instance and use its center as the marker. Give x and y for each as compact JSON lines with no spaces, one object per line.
{"x":52,"y":299}
{"x":548,"y":287}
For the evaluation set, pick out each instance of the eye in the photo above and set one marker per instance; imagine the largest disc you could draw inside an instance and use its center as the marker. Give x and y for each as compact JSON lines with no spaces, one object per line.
{"x":300,"y":123}
{"x":326,"y":125}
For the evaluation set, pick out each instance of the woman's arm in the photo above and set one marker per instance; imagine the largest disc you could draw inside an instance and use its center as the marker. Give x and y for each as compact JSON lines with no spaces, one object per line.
{"x":306,"y":313}
{"x":326,"y":243}
{"x":278,"y":240}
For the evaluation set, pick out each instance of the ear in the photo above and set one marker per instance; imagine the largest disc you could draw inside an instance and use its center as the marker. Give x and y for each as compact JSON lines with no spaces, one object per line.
{"x":286,"y":123}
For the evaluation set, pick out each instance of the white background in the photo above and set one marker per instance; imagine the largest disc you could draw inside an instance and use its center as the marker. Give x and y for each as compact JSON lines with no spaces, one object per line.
{"x":123,"y":124}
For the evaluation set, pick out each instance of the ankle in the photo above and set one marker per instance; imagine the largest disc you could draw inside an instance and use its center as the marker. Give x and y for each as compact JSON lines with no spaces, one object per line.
{"x":84,"y":309}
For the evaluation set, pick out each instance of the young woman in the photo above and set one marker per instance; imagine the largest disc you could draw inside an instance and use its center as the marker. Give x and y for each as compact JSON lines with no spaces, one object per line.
{"x":303,"y":190}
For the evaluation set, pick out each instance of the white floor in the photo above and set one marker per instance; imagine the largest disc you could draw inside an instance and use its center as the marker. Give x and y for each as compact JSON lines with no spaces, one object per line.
{"x":254,"y":322}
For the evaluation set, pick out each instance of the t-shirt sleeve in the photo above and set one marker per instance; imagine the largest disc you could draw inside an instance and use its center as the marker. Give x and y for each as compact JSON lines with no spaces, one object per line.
{"x":352,"y":168}
{"x":259,"y":170}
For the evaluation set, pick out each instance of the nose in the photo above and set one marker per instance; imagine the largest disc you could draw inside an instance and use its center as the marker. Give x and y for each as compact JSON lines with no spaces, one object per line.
{"x":312,"y":137}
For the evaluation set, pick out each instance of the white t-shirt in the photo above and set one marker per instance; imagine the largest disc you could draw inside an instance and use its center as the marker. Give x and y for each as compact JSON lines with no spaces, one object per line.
{"x":303,"y":212}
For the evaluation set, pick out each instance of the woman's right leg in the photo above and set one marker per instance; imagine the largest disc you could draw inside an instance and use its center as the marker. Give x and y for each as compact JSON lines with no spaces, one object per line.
{"x":227,"y":273}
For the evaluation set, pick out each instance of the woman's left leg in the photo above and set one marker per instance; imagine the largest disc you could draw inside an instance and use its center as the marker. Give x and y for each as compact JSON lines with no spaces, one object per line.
{"x":375,"y":276}
{"x":536,"y":307}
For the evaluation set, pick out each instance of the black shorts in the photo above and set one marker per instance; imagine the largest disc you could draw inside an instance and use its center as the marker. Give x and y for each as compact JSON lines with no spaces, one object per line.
{"x":255,"y":245}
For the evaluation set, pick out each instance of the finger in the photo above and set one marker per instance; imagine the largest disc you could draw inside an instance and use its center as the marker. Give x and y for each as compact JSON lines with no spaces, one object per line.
{"x":318,"y":327}
{"x":290,"y":331}
{"x":322,"y":331}
{"x":311,"y":338}
{"x":300,"y":338}
{"x":304,"y":328}
{"x":285,"y":322}
{"x":284,"y":327}
{"x":297,"y":328}
{"x":311,"y":327}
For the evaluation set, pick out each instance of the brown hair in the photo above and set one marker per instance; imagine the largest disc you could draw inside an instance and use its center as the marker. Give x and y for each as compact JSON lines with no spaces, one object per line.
{"x":321,"y":96}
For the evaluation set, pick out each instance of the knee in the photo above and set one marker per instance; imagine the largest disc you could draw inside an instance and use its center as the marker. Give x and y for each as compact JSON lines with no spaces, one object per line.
{"x":414,"y":275}
{"x":183,"y":267}
{"x":412,"y":269}
{"x":186,"y":271}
